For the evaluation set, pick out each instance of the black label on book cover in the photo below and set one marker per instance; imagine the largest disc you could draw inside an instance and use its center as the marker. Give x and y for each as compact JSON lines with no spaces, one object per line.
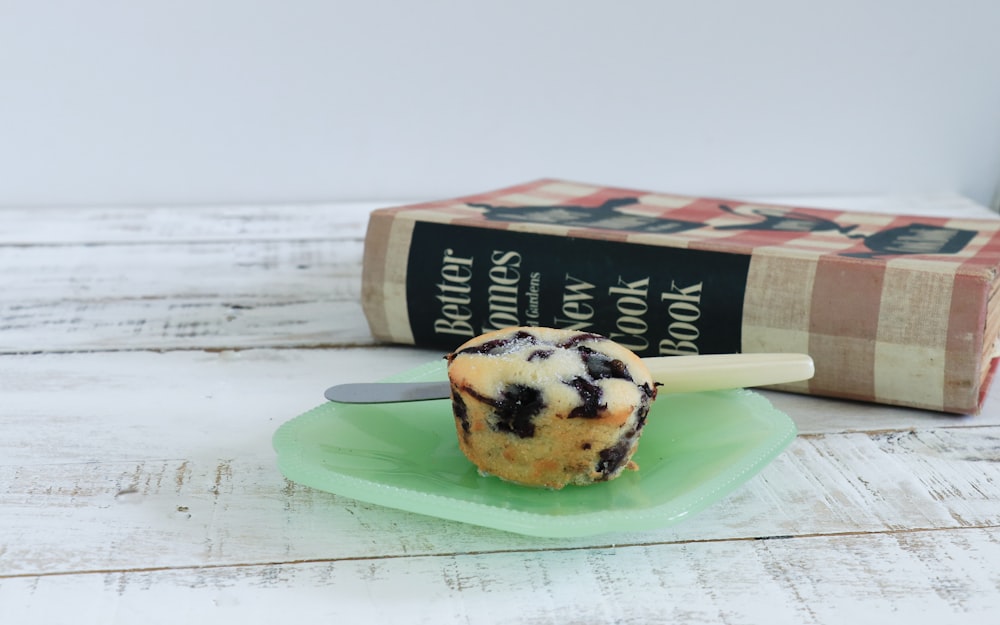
{"x":657,"y":301}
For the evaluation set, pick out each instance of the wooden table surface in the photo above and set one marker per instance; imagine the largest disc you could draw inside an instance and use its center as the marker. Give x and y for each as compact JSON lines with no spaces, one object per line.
{"x":147,"y":355}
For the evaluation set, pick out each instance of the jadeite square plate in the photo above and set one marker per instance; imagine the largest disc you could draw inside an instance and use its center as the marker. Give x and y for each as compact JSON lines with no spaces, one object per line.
{"x":695,"y":449}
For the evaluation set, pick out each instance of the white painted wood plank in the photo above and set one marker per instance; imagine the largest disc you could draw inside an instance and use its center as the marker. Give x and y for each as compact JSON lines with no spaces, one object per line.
{"x":167,"y":457}
{"x":181,"y":323}
{"x":135,"y":224}
{"x":198,"y":405}
{"x":113,"y":516}
{"x":127,"y":406}
{"x":204,"y":295}
{"x":818,"y":414}
{"x":150,"y":224}
{"x":269,"y":270}
{"x":918,"y":578}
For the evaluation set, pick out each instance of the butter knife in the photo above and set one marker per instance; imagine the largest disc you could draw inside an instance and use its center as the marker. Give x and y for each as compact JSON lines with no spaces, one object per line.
{"x":677,"y":374}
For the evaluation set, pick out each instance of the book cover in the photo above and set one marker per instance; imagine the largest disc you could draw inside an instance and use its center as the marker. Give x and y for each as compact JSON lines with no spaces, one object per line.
{"x":893,"y":309}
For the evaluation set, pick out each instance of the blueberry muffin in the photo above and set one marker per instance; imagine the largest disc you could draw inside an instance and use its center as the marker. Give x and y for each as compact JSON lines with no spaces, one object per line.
{"x":547,"y":407}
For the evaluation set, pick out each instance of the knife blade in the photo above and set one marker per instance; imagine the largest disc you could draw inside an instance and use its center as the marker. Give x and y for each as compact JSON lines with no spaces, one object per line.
{"x":378,"y":392}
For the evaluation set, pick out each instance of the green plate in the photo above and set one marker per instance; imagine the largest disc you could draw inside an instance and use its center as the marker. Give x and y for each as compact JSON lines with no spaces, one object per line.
{"x":695,"y":449}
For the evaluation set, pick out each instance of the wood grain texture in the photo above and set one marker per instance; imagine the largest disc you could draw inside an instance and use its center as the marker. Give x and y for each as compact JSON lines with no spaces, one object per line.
{"x":233,"y":511}
{"x":166,"y":457}
{"x":912,"y":577}
{"x":181,"y":323}
{"x":247,"y":294}
{"x":137,"y":225}
{"x":148,"y":354}
{"x":325,"y":221}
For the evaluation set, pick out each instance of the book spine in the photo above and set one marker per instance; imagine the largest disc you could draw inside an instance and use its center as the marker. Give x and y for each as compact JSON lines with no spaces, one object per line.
{"x":439,"y":284}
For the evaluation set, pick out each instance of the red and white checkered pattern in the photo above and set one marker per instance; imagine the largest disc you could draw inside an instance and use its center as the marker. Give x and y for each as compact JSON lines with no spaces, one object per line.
{"x":899,"y":329}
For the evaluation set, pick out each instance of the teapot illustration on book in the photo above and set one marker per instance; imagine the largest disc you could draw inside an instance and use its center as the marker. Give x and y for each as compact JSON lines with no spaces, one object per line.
{"x":914,"y":238}
{"x":908,"y":239}
{"x":782,"y":220}
{"x":606,"y":216}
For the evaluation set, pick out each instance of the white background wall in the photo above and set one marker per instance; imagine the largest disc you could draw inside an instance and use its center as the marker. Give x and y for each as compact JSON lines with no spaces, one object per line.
{"x":122,"y":101}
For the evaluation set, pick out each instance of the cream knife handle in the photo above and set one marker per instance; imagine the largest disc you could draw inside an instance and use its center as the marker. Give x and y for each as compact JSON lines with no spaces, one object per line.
{"x":684,"y":374}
